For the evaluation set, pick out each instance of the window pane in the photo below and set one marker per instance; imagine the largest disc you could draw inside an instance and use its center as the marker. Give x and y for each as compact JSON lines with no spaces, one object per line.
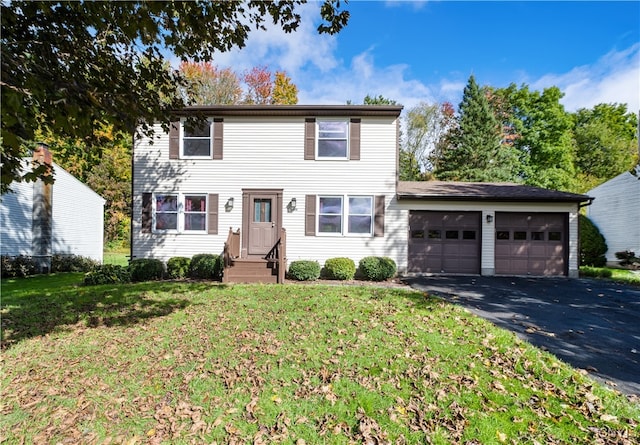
{"x":520,"y":235}
{"x":417,"y":234}
{"x":469,"y":234}
{"x":166,"y":203}
{"x":330,"y":223}
{"x":359,"y":224}
{"x":451,"y":234}
{"x":434,"y":234}
{"x":502,"y":235}
{"x":555,"y":236}
{"x":197,"y":147}
{"x":332,"y":148}
{"x":360,"y":206}
{"x":331,"y":205}
{"x":332,"y":129}
{"x":195,"y":221}
{"x":537,"y":236}
{"x":166,"y":221}
{"x":262,"y":210}
{"x":195,"y":203}
{"x":198,"y":130}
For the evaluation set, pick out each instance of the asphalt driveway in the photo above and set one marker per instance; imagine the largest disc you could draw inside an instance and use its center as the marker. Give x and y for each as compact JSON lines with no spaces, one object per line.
{"x":590,"y":324}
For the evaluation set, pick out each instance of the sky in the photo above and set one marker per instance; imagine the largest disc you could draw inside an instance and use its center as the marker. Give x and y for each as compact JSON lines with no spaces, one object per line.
{"x":425,"y":51}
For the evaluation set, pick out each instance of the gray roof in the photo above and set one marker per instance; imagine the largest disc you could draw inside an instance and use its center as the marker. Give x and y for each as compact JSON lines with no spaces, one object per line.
{"x":483,"y":191}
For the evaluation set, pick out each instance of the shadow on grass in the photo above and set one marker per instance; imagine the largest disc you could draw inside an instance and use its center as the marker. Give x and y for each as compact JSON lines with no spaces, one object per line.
{"x":31,"y":308}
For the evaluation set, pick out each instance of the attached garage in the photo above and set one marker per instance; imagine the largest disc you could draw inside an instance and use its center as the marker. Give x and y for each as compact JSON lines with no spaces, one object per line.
{"x":490,"y":228}
{"x":444,"y":242}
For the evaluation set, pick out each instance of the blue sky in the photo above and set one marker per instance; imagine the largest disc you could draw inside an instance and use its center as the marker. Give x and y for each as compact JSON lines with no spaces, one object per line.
{"x":424,"y":51}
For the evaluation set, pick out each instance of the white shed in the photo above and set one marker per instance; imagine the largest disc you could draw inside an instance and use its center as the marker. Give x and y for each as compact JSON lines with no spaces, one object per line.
{"x":616,"y":212}
{"x":77,"y":218}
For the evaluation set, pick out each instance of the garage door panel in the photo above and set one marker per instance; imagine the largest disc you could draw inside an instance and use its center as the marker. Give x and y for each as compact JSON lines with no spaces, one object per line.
{"x":451,"y":242}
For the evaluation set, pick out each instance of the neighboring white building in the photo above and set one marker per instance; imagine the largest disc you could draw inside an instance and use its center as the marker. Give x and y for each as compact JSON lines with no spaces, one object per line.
{"x":329,"y":176}
{"x":77,"y":220}
{"x":616,"y":212}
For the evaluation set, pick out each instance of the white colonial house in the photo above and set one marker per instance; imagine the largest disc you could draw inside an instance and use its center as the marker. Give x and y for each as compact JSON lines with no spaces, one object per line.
{"x":64,"y":218}
{"x":267,"y":183}
{"x":616,"y":213}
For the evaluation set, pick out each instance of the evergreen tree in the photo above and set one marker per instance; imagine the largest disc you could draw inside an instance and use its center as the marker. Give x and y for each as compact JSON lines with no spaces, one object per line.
{"x":473,"y":150}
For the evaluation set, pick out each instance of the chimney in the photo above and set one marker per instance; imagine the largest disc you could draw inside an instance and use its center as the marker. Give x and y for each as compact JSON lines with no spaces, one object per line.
{"x":41,"y":220}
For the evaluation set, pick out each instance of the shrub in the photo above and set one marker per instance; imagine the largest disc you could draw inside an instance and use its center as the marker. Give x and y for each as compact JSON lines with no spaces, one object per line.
{"x":178,"y":267}
{"x":592,"y":244}
{"x":19,"y":266}
{"x":595,"y":272}
{"x":304,"y":270}
{"x":71,"y":263}
{"x":339,"y":268}
{"x":107,"y":274}
{"x":146,"y":269}
{"x":628,"y":258}
{"x":206,"y":266}
{"x":377,"y":268}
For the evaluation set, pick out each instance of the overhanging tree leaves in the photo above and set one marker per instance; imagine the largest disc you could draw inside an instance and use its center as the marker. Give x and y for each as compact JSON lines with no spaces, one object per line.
{"x":69,"y":66}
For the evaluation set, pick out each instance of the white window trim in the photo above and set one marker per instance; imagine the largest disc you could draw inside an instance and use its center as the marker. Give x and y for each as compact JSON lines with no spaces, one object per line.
{"x":348,"y":138}
{"x":182,"y":136}
{"x":181,"y":213}
{"x":345,"y":217}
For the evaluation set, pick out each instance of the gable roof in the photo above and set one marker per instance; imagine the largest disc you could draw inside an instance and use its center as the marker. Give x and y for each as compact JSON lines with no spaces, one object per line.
{"x":292,"y":110}
{"x":483,"y":191}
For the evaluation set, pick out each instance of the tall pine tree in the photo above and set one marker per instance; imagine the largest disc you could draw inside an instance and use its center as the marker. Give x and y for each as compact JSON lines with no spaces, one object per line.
{"x":473,"y":151}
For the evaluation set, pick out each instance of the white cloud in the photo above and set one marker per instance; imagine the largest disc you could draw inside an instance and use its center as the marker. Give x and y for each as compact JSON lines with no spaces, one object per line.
{"x":614,"y":78}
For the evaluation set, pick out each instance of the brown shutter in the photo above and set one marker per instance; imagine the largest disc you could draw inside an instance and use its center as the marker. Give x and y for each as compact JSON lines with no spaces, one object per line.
{"x":310,"y":138}
{"x":378,"y":220}
{"x":310,"y":215}
{"x":354,"y":140}
{"x":174,"y":140}
{"x":147,"y":211}
{"x":213,"y":214}
{"x":217,"y":138}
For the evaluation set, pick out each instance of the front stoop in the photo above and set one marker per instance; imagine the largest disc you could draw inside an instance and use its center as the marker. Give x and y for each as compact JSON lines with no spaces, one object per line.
{"x":251,"y":270}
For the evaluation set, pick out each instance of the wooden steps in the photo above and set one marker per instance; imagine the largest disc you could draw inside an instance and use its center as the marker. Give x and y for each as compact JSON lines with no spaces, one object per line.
{"x":251,"y":270}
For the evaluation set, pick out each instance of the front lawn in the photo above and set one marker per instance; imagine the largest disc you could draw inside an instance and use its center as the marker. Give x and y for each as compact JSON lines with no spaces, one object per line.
{"x":200,"y":362}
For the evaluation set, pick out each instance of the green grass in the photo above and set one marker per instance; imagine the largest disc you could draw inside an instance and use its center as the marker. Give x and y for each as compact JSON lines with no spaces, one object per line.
{"x":118,"y":257}
{"x":200,"y":362}
{"x":624,"y":276}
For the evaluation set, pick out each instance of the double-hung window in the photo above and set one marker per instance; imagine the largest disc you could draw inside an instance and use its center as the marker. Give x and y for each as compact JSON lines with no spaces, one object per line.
{"x":345,"y":215}
{"x":197,"y":140}
{"x":180,"y":213}
{"x":333,"y":139}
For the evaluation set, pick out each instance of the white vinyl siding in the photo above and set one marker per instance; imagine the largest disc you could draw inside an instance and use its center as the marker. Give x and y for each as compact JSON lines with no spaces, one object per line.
{"x":268,"y":153}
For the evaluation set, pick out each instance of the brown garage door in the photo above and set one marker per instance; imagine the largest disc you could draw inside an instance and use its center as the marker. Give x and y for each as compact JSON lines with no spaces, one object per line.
{"x":444,"y":242}
{"x":531,"y":243}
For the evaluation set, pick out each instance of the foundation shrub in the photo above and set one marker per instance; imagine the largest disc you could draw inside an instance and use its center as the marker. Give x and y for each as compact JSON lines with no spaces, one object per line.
{"x":107,"y":274}
{"x":304,"y":270}
{"x":146,"y":269}
{"x":178,"y":267}
{"x":376,"y":268}
{"x":206,"y":266}
{"x":339,"y":268}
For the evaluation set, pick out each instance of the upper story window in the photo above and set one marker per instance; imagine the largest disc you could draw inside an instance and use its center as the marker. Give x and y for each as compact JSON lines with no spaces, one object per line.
{"x":333,"y":139}
{"x":196,"y":139}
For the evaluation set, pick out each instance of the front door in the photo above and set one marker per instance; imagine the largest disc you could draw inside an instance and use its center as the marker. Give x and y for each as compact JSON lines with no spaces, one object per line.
{"x":262,"y":220}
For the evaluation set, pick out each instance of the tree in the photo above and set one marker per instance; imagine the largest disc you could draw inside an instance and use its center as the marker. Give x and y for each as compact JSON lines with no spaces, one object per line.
{"x":210,"y":85}
{"x":606,"y":143}
{"x":69,"y":67}
{"x":380,"y":100}
{"x":472,"y":151}
{"x":284,"y":90}
{"x":259,"y":86}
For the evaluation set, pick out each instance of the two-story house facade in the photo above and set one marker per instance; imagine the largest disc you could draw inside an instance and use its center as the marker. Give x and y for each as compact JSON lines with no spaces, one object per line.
{"x":328,"y":176}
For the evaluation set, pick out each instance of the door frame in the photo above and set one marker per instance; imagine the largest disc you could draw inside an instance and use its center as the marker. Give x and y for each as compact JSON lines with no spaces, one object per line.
{"x":247,"y":197}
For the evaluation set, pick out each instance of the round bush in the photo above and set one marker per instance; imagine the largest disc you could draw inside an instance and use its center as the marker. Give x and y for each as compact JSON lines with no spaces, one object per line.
{"x":107,"y":274}
{"x":178,"y":267}
{"x":376,"y":268}
{"x":340,"y":268}
{"x":206,"y":266}
{"x":304,"y":270}
{"x":592,"y":244}
{"x":146,"y":269}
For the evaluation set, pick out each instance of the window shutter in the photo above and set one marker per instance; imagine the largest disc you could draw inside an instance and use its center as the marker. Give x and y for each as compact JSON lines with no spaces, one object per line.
{"x":146,"y":212}
{"x":310,"y":138}
{"x":217,"y":138}
{"x":354,"y":140}
{"x":174,"y":140}
{"x":378,"y":220}
{"x":212,"y":224}
{"x":310,"y":215}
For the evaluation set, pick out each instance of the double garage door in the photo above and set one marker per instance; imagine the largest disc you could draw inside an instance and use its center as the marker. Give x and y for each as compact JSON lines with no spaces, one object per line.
{"x":525,"y":243}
